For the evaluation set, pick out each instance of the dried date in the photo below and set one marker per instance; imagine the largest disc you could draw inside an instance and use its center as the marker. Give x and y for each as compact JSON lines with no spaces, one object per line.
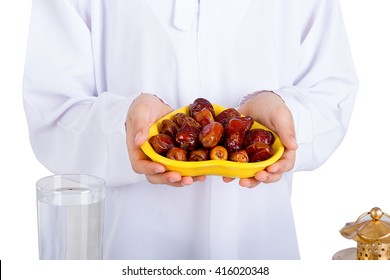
{"x":187,"y":135}
{"x":179,"y":119}
{"x":259,"y":151}
{"x":204,"y":117}
{"x":169,"y":127}
{"x":234,"y":134}
{"x":226,"y":115}
{"x":177,"y":153}
{"x":247,"y":122}
{"x":218,"y":153}
{"x":199,"y":104}
{"x":161,"y":143}
{"x":199,"y":155}
{"x":239,"y":156}
{"x":259,"y":135}
{"x":210,"y":135}
{"x":189,"y":121}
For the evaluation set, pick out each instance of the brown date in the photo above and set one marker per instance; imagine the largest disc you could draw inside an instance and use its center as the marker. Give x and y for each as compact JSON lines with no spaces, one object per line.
{"x":210,"y":135}
{"x":189,"y":121}
{"x":247,"y":122}
{"x":161,"y":143}
{"x":199,"y":155}
{"x":218,"y":153}
{"x":177,"y":153}
{"x":204,"y":117}
{"x":169,"y":127}
{"x":199,"y":104}
{"x":259,"y":151}
{"x":234,"y":134}
{"x":226,"y":115}
{"x":259,"y":135}
{"x":187,"y":135}
{"x":179,"y":118}
{"x":239,"y":156}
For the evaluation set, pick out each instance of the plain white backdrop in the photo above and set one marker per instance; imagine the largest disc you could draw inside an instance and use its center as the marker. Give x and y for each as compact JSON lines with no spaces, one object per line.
{"x":353,"y":181}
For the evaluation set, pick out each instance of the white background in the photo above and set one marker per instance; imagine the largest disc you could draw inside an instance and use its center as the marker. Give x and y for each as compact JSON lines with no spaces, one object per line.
{"x":353,"y":181}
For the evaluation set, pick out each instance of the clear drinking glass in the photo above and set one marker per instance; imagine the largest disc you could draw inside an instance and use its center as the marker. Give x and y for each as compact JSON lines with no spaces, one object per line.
{"x":70,"y":217}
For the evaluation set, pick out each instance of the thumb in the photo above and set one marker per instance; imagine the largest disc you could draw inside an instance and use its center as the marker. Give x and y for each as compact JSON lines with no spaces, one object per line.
{"x":137,"y":129}
{"x":141,"y":134}
{"x":284,"y":127}
{"x":144,"y":111}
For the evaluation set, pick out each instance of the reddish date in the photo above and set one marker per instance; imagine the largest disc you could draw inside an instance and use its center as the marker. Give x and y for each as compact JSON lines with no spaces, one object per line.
{"x":247,"y":122}
{"x":226,"y":115}
{"x":259,"y":151}
{"x":218,"y":153}
{"x":188,"y":133}
{"x":169,"y":127}
{"x":234,"y":134}
{"x":179,"y":119}
{"x":239,"y":156}
{"x":189,"y":121}
{"x":161,"y":143}
{"x":204,"y":117}
{"x":259,"y":135}
{"x":177,"y":153}
{"x":210,"y":135}
{"x":199,"y":155}
{"x":199,"y":104}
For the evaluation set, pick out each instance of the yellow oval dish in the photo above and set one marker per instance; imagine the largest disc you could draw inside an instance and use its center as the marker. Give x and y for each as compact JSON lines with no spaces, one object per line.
{"x":211,"y":167}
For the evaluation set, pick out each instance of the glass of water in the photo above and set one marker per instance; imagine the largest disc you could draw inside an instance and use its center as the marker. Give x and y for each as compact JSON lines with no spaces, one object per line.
{"x":70,"y":217}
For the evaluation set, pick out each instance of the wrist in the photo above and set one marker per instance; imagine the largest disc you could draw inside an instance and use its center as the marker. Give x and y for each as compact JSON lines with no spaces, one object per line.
{"x":248,"y":102}
{"x":250,"y":96}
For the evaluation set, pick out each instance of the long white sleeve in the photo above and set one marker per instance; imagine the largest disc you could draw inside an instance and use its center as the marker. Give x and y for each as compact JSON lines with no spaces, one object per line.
{"x":73,"y":127}
{"x":323,"y":93}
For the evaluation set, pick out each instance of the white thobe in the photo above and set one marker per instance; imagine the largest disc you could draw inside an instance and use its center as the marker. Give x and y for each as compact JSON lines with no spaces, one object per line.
{"x":88,"y":59}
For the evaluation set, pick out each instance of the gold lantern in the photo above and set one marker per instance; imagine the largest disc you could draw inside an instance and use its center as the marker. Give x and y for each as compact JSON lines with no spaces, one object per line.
{"x":372,"y":235}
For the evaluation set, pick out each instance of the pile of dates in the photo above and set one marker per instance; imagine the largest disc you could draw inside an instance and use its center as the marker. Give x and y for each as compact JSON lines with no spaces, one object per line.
{"x":204,"y":136}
